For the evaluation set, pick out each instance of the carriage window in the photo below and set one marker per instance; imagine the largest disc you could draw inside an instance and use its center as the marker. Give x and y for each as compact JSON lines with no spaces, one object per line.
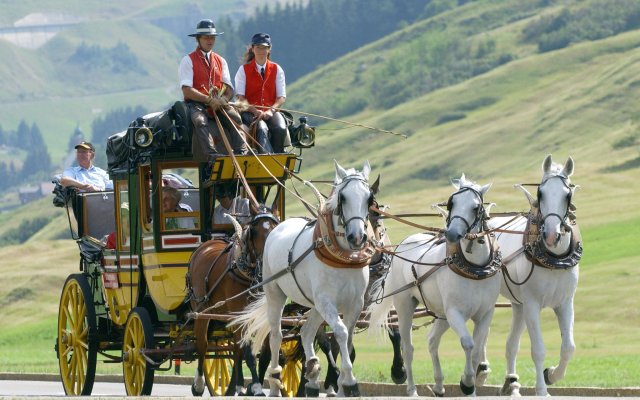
{"x":124,"y":223}
{"x":179,"y":197}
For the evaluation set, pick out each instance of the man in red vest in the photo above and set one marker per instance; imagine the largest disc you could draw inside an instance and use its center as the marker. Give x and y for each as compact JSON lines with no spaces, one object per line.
{"x":206,"y":86}
{"x":261,"y":83}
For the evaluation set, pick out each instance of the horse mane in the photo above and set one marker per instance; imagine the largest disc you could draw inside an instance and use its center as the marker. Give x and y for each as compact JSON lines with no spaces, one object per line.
{"x":555,"y":170}
{"x":332,"y":201}
{"x":464,"y":182}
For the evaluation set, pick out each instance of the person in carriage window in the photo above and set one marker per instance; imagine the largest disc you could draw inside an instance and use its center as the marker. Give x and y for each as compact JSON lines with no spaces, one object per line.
{"x":261,"y":84}
{"x":86,"y":177}
{"x":206,"y":87}
{"x":171,"y":203}
{"x":230,"y":203}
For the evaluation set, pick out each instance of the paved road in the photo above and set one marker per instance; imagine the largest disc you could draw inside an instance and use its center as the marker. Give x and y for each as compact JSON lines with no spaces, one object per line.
{"x":46,"y":388}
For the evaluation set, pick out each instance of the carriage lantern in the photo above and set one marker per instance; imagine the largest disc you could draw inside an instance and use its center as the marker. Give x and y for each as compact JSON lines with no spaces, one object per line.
{"x":303,"y":136}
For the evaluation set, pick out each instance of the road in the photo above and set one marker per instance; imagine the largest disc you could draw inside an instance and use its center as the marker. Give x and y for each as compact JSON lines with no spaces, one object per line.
{"x":48,"y":388}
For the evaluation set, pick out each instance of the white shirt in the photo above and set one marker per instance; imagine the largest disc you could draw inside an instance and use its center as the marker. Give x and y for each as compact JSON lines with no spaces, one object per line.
{"x":185,"y":71}
{"x":239,"y":209}
{"x":241,"y":81}
{"x":94,"y":176}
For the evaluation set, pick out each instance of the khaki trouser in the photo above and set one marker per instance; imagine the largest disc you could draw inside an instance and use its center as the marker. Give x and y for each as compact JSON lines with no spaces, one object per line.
{"x":207,"y":140}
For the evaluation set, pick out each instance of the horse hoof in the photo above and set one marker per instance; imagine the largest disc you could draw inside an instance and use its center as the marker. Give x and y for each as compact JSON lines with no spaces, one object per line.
{"x":330,"y":391}
{"x":547,"y":376}
{"x":312,"y":392}
{"x":398,"y":375}
{"x":511,"y":386}
{"x":351,"y":391}
{"x":313,"y":369}
{"x":482,"y":373}
{"x":195,"y":391}
{"x":467,"y":390}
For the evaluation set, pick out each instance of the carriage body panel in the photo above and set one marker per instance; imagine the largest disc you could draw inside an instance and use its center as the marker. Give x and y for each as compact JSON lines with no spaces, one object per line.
{"x":135,"y":259}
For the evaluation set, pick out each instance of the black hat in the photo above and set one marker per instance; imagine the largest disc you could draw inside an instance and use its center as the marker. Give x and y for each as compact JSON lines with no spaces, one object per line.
{"x":261,"y":39}
{"x":85,"y":145}
{"x":206,"y":28}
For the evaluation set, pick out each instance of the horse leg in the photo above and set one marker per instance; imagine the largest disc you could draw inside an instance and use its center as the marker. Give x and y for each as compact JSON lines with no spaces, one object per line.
{"x":347,"y":380}
{"x":479,"y":354}
{"x":398,"y":373}
{"x":255,"y":388}
{"x":327,"y":346}
{"x":200,"y":329}
{"x":564,"y":313}
{"x":440,"y":326}
{"x":236,"y":383}
{"x":263,"y":361}
{"x":532,"y":319}
{"x":275,"y":300}
{"x":405,"y":306}
{"x":312,"y":365}
{"x":457,"y":322}
{"x":511,"y":386}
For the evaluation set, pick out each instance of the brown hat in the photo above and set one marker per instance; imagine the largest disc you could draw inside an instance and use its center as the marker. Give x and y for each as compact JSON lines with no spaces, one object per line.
{"x":85,"y":145}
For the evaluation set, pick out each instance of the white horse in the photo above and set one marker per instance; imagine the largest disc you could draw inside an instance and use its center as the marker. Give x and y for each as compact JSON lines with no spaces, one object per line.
{"x":331,"y":279}
{"x":456,"y":279}
{"x":541,"y":271}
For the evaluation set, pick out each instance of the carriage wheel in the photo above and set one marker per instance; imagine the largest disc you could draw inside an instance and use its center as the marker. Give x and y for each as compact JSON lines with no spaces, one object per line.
{"x":137,"y":370}
{"x":218,"y":369}
{"x":292,"y":369}
{"x":77,"y":345}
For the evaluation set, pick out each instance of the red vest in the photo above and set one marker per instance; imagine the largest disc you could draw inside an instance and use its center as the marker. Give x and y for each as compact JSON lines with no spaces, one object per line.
{"x":258,"y":91}
{"x":205,"y":77}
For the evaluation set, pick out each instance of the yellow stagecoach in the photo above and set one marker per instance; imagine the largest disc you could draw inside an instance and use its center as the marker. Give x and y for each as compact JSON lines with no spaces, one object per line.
{"x":129,"y":301}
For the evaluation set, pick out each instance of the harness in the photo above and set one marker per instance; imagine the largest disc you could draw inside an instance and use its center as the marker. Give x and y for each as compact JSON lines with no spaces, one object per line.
{"x":461,"y":266}
{"x":536,"y":251}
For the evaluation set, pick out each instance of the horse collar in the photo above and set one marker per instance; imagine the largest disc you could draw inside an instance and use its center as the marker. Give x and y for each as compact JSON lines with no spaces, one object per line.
{"x":330,"y":252}
{"x":537,"y":252}
{"x":461,"y":266}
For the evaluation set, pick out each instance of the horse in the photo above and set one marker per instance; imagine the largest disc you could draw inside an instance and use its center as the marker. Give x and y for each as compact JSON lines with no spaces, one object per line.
{"x":320,"y":264}
{"x":541,"y":271}
{"x":219,"y":270}
{"x":378,"y":268}
{"x":455,"y":275}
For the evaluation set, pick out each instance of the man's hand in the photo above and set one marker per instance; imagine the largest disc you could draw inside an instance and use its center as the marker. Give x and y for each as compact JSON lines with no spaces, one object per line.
{"x":216,"y":102}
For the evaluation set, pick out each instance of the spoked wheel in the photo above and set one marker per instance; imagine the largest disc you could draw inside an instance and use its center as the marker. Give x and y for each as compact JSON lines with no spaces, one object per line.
{"x":77,"y":345}
{"x":218,"y":370}
{"x":292,"y":369}
{"x":137,"y":370}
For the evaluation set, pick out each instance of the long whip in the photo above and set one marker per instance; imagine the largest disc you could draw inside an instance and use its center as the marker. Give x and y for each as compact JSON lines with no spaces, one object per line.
{"x":238,"y":104}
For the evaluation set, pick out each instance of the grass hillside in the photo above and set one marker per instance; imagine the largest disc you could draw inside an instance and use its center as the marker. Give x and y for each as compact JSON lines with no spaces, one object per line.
{"x":495,"y":127}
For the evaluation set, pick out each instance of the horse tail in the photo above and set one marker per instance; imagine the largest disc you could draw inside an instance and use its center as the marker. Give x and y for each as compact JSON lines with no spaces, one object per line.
{"x":378,"y":312}
{"x":253,"y":323}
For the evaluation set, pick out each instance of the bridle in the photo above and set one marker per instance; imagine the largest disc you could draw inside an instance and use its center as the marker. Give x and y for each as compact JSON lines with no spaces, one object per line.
{"x":250,"y":257}
{"x":338,"y":210}
{"x":562,"y":218}
{"x":480,"y":214}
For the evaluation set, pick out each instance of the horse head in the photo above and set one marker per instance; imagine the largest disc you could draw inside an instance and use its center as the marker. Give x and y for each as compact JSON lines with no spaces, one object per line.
{"x":350,"y":202}
{"x":251,"y":238}
{"x":465,"y":208}
{"x":554,"y":200}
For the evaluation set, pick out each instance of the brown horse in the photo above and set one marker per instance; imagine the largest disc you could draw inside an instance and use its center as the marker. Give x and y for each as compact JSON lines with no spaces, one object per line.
{"x":220,"y":269}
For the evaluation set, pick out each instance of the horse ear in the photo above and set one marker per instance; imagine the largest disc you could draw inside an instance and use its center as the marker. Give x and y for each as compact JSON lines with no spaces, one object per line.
{"x":568,"y":167}
{"x":485,"y":188}
{"x":340,"y":172}
{"x":546,"y":164}
{"x":366,"y":169}
{"x":455,"y":183}
{"x":275,"y":206}
{"x":376,"y":185}
{"x":252,"y":208}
